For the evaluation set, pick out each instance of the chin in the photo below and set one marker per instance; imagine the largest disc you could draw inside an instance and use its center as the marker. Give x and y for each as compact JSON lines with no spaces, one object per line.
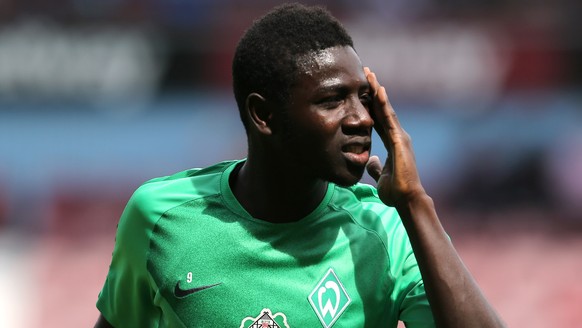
{"x":346,"y":184}
{"x":349,"y":178}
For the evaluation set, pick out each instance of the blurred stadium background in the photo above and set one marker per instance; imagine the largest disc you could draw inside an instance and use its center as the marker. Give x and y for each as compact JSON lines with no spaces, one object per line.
{"x":97,"y":96}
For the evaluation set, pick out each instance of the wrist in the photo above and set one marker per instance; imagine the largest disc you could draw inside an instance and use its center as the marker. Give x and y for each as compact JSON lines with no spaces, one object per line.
{"x":414,"y":199}
{"x":419,"y":206}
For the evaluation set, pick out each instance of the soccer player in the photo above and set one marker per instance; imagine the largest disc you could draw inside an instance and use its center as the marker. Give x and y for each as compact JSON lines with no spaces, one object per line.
{"x":288,"y":237}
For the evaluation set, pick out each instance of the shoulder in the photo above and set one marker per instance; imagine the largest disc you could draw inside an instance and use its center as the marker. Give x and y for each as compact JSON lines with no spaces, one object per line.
{"x":364,"y":193}
{"x":363,"y":199}
{"x":157,"y":195}
{"x":367,"y":211}
{"x":362,"y":203}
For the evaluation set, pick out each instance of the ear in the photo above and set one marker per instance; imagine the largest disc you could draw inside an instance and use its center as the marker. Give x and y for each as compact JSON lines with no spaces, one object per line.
{"x":260,"y":113}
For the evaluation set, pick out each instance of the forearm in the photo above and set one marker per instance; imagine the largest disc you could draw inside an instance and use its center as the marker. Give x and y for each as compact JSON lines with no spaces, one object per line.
{"x":455,"y":298}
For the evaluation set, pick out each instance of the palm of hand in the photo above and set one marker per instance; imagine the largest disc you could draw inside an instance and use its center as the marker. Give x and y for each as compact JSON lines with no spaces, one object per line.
{"x":398,"y":181}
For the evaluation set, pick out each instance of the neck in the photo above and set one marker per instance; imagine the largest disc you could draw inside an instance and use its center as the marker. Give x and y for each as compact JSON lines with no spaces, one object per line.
{"x":274,"y":194}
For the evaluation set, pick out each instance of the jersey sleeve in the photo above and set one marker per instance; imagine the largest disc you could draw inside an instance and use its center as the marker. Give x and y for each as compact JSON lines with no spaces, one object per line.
{"x":127,"y":297}
{"x":415,"y":310}
{"x":408,"y":297}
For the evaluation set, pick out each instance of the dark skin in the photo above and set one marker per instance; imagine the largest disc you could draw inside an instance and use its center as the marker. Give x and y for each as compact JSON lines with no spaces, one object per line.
{"x":455,"y":298}
{"x":324,"y":135}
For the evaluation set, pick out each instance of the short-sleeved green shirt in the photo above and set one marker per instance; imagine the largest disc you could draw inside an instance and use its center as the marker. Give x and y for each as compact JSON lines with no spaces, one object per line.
{"x":187,"y":254}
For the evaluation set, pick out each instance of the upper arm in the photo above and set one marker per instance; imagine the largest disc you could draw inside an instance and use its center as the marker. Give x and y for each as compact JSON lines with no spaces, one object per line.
{"x":102,"y":322}
{"x":127,"y":296}
{"x":415,"y":310}
{"x":411,"y":299}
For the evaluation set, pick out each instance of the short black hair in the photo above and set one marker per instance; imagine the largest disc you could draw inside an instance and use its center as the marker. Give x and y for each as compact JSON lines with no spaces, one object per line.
{"x":265,"y":60}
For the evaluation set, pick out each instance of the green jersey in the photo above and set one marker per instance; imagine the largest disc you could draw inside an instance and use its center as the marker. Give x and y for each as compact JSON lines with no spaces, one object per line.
{"x":187,"y":254}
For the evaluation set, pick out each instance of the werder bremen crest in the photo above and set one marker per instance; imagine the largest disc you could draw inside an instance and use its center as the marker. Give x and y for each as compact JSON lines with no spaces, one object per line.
{"x":329,"y":299}
{"x":266,"y":319}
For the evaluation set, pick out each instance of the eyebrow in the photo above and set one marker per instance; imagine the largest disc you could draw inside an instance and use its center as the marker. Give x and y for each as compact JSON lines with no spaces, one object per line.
{"x":334,"y":84}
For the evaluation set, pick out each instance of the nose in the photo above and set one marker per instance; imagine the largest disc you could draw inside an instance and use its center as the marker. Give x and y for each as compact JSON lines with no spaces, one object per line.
{"x":357,"y":120}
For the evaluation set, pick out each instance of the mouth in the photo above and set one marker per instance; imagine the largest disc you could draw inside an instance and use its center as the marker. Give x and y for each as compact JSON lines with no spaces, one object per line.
{"x":356,"y":148}
{"x":357,"y":153}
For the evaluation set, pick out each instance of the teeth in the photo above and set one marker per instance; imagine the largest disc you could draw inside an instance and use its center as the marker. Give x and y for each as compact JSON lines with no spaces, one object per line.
{"x":358,"y":149}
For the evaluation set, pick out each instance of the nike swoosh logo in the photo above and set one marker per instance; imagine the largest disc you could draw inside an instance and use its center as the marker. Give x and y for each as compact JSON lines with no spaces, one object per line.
{"x":180,"y":293}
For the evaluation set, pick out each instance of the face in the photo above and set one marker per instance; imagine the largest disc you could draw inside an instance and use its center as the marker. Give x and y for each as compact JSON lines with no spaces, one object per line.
{"x":326,"y":125}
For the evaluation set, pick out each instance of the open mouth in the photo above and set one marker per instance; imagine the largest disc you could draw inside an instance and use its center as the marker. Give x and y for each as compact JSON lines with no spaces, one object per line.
{"x":356,"y":148}
{"x":357,"y":153}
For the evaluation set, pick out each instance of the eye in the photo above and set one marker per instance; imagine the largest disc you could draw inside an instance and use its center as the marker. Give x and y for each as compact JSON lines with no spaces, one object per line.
{"x":366,"y":99}
{"x":331,"y":101}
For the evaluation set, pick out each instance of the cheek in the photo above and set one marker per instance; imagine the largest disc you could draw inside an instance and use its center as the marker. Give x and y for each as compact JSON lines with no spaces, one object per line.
{"x":324,"y":137}
{"x":303,"y":130}
{"x":314,"y":133}
{"x":329,"y":135}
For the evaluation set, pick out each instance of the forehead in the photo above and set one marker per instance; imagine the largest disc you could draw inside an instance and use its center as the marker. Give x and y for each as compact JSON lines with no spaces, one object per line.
{"x":330,"y":58}
{"x":331,"y":63}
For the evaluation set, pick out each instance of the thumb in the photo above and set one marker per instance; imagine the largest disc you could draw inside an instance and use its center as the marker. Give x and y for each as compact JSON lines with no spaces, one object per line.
{"x":374,"y":167}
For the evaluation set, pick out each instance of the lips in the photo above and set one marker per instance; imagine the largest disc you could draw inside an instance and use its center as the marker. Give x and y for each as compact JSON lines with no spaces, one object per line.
{"x":357,"y":152}
{"x":355,"y":148}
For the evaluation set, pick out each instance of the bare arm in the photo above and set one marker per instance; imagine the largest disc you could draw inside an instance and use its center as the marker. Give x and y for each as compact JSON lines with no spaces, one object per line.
{"x":102,"y":323}
{"x":454,"y":297}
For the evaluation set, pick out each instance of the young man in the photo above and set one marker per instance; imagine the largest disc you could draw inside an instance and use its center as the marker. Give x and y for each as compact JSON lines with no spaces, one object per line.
{"x":288,"y":237}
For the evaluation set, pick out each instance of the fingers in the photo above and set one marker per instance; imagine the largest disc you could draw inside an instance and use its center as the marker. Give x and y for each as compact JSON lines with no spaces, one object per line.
{"x":374,"y":167}
{"x":373,"y":80}
{"x":383,"y":109}
{"x":399,"y":176}
{"x":385,"y":119}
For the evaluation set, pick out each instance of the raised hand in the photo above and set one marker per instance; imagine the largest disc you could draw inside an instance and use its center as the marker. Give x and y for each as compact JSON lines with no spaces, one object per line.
{"x":454,"y":297}
{"x":398,"y":181}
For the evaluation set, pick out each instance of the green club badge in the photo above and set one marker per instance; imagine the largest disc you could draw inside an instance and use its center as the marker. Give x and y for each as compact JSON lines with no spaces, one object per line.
{"x":329,"y":299}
